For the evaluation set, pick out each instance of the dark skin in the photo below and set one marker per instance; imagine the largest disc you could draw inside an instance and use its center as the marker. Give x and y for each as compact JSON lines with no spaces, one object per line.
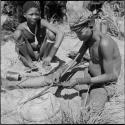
{"x":105,"y":63}
{"x":32,"y":16}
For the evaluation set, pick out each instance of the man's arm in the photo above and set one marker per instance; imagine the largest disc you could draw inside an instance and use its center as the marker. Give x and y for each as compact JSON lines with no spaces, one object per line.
{"x":21,"y":48}
{"x":82,"y":51}
{"x":59,"y":38}
{"x":110,"y":73}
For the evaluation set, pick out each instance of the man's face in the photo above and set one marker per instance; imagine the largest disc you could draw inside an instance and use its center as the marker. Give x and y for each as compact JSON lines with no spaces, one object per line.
{"x":32,"y":15}
{"x":84,"y":33}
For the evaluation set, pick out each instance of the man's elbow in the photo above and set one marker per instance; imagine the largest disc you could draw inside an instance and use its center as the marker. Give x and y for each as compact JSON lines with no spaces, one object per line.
{"x":116,"y":76}
{"x":112,"y":77}
{"x":60,"y":34}
{"x":17,"y":34}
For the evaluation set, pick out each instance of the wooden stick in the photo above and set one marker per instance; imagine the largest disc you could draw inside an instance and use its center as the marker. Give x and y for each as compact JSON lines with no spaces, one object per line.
{"x":86,"y":97}
{"x":70,"y":65}
{"x":37,"y":95}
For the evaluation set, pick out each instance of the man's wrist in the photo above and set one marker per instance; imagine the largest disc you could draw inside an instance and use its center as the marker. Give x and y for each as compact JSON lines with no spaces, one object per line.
{"x":49,"y":58}
{"x":86,"y":80}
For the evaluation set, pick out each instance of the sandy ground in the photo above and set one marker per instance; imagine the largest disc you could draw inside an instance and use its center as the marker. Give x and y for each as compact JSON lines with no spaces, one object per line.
{"x":72,"y":102}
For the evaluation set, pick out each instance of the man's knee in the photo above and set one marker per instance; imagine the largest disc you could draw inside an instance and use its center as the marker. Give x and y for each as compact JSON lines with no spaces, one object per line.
{"x":98,"y":98}
{"x":83,"y":87}
{"x":111,"y":90}
{"x":78,"y":74}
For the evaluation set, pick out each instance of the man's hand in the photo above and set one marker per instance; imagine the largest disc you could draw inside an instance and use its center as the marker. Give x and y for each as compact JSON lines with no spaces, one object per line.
{"x":46,"y":61}
{"x":57,"y":75}
{"x":72,"y":82}
{"x":34,"y":45}
{"x":32,"y":65}
{"x":48,"y":80}
{"x":72,"y":54}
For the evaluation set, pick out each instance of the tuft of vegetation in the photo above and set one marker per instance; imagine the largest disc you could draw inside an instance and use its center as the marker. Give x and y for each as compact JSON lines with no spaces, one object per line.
{"x":85,"y":117}
{"x":10,"y":24}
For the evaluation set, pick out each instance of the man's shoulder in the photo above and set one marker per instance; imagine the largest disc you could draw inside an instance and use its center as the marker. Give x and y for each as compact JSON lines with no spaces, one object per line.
{"x":21,"y":26}
{"x":106,"y":46}
{"x":19,"y":29}
{"x":43,"y":22}
{"x":106,"y":41}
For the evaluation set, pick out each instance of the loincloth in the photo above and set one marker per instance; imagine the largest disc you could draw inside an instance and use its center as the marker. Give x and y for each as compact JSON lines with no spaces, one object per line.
{"x":110,"y":89}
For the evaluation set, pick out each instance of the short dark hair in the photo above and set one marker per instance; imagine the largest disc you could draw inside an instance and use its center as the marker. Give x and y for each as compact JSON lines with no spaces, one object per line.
{"x":29,"y":4}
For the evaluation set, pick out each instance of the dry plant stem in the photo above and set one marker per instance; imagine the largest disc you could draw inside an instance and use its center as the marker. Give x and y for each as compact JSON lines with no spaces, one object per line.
{"x":39,"y":94}
{"x":71,"y":64}
{"x":86,"y":97}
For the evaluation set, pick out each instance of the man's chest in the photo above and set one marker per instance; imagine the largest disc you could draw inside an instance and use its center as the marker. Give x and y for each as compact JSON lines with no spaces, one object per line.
{"x":95,"y":54}
{"x":31,"y":37}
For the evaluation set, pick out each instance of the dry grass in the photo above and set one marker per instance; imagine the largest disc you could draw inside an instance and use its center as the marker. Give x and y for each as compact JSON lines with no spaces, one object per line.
{"x":112,"y":114}
{"x":86,"y":117}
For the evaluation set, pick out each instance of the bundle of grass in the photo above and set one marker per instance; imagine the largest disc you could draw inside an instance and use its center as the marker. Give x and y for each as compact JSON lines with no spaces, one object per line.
{"x":116,"y":109}
{"x":89,"y":117}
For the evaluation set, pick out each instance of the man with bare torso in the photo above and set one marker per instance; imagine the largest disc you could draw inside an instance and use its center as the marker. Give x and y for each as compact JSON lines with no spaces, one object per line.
{"x":104,"y":66}
{"x":31,"y":35}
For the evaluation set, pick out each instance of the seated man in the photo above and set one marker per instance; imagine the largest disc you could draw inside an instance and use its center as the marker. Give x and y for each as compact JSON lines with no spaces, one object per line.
{"x":30,"y":36}
{"x":104,"y":66}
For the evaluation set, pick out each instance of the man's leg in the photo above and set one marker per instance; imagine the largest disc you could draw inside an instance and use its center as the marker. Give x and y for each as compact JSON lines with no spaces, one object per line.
{"x":45,"y":48}
{"x":24,"y":52}
{"x":30,"y":51}
{"x":28,"y":83}
{"x":36,"y":82}
{"x":97,"y":99}
{"x":25,"y":61}
{"x":42,"y":49}
{"x":83,"y":89}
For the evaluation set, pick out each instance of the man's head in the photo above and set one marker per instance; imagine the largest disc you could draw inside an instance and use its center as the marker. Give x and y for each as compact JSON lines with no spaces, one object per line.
{"x":81,"y":22}
{"x":83,"y":28}
{"x":31,"y":12}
